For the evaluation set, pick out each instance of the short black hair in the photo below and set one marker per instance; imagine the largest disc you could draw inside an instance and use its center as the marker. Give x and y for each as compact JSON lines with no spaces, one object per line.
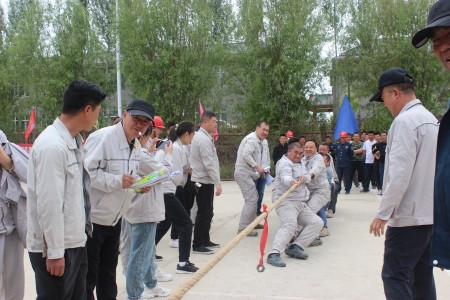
{"x":207,"y":114}
{"x":282,"y":134}
{"x":261,"y":123}
{"x":377,"y":133}
{"x":79,"y":94}
{"x":370,"y":132}
{"x":313,"y":141}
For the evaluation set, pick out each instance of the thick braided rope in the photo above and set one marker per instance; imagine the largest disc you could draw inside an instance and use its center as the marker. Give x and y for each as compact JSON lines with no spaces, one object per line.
{"x":191,"y":282}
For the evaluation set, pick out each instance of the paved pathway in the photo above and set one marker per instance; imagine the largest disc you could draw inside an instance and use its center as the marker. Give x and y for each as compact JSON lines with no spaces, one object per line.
{"x":347,"y":266}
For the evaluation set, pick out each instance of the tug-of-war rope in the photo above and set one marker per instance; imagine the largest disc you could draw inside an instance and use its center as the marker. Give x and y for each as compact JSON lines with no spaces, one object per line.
{"x":192,"y":281}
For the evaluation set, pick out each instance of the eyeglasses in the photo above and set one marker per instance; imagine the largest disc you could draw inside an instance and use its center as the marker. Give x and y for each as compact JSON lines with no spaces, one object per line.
{"x":143,"y":121}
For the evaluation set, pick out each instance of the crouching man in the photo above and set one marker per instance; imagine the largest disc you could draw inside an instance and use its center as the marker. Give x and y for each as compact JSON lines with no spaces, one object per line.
{"x":293,"y":211}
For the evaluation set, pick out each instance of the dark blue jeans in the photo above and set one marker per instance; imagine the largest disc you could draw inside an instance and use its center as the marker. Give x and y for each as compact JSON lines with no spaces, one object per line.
{"x":369,"y":176}
{"x":407,"y":272}
{"x":260,"y":186}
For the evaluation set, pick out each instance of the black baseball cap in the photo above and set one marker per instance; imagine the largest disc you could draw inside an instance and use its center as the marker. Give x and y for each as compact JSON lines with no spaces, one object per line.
{"x":439,"y":16}
{"x":391,"y":77}
{"x":141,"y":107}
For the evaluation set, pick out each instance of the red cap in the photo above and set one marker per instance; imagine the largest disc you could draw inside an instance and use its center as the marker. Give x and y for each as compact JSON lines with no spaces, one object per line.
{"x":158,"y":122}
{"x":343,"y":133}
{"x":290,"y":134}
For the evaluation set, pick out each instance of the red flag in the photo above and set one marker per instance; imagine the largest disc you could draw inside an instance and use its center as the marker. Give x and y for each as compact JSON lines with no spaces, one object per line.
{"x":216,"y":132}
{"x":31,"y":125}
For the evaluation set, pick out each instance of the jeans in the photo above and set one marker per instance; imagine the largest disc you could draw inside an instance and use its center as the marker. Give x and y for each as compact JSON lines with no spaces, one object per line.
{"x":72,"y":285}
{"x":103,"y":254}
{"x":205,"y":213}
{"x":178,"y":216}
{"x":407,"y":272}
{"x":323,"y":216}
{"x":260,"y":186}
{"x":333,"y":198}
{"x":140,"y":269}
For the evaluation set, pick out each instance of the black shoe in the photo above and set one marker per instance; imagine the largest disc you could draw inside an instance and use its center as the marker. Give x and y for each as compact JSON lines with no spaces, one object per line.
{"x":187,"y":268}
{"x":212,"y":245}
{"x":364,"y":191}
{"x":259,"y":226}
{"x":158,"y":258}
{"x":202,"y":250}
{"x":347,"y":193}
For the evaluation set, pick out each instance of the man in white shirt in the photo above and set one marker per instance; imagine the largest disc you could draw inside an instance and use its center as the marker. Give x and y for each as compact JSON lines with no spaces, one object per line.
{"x":368,"y":166}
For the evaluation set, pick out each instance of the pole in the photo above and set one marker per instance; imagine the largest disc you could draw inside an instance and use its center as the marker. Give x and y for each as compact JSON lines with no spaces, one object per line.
{"x":119,"y":80}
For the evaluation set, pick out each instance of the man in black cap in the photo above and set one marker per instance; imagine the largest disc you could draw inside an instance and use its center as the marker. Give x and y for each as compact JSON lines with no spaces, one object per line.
{"x":406,"y":204}
{"x":438,"y":30}
{"x":112,"y":158}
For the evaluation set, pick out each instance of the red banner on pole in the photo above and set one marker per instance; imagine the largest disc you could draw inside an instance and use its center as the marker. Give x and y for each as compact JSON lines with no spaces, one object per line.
{"x":31,"y":125}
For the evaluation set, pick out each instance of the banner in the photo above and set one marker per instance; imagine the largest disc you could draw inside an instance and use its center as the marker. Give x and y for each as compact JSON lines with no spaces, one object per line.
{"x":31,"y":125}
{"x":346,"y":120}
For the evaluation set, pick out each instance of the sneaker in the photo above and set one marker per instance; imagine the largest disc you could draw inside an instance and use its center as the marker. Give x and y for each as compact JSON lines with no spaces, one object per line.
{"x":374,"y":187}
{"x":275,"y":260}
{"x":157,"y":291}
{"x":380,"y":193}
{"x":364,"y":191}
{"x":329,"y":214}
{"x":252,"y":233}
{"x":188,"y":268}
{"x":259,"y":226}
{"x":347,"y":193}
{"x":317,"y":242}
{"x":324,"y":232}
{"x":296,"y":252}
{"x":173,"y":243}
{"x":202,"y":250}
{"x":212,"y":245}
{"x":162,"y":276}
{"x":158,"y":258}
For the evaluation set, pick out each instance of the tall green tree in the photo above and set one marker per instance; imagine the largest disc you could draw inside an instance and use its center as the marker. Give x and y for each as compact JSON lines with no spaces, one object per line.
{"x":170,"y":54}
{"x":283,"y":40}
{"x":379,"y":38}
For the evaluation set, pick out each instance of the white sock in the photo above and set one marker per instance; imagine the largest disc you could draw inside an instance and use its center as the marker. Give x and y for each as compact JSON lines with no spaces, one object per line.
{"x":182,"y":263}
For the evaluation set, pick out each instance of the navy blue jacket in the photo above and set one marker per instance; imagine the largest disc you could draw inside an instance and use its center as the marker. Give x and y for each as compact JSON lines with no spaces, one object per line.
{"x":344,"y":155}
{"x":440,"y":255}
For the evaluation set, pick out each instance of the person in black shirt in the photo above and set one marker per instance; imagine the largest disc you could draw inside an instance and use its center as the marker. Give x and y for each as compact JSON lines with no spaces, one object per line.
{"x":379,"y":152}
{"x":280,"y":149}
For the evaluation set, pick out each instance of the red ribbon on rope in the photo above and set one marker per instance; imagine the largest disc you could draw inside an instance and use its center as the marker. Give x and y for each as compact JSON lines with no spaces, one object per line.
{"x":263,"y":242}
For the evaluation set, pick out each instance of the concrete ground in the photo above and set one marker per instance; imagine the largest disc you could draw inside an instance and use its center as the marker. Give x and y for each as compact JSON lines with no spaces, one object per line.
{"x":347,"y":266}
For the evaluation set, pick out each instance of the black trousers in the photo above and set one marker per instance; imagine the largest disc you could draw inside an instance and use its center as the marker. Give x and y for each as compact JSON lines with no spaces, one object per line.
{"x":348,"y":177}
{"x":407,"y":272}
{"x":358,"y":166}
{"x":189,"y":194}
{"x":369,"y":176}
{"x":103,"y":255}
{"x":181,"y":221}
{"x":180,"y":195}
{"x":70,"y":286}
{"x":205,"y":198}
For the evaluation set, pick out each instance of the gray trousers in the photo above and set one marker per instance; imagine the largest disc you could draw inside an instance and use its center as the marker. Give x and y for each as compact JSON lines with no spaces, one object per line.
{"x":318,"y":199}
{"x":295,"y":214}
{"x":250,"y":194}
{"x":12,"y":274}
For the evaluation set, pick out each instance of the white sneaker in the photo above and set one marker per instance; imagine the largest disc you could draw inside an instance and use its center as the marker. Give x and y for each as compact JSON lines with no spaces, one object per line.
{"x":157,"y":291}
{"x":173,"y":243}
{"x":162,"y":276}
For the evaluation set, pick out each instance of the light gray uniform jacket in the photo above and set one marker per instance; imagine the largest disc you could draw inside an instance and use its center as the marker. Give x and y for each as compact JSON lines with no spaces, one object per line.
{"x":58,"y":197}
{"x":149,"y":207}
{"x":286,"y":171}
{"x":316,"y":166}
{"x":108,"y":157}
{"x":249,"y":155}
{"x":203,"y":159}
{"x":179,"y":163}
{"x":12,"y":196}
{"x":408,"y":183}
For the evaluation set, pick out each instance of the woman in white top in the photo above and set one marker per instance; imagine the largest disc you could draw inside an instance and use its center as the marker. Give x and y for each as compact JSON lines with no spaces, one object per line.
{"x":176,"y":213}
